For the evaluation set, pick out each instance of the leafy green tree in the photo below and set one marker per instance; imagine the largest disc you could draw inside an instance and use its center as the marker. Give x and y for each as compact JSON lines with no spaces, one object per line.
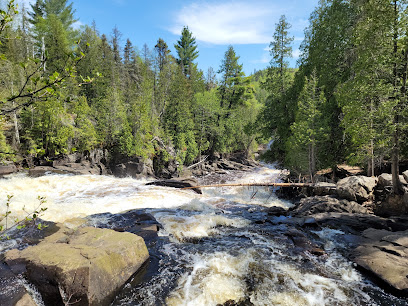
{"x":186,"y":50}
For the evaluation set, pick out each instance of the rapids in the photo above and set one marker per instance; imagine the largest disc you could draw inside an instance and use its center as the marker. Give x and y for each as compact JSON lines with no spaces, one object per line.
{"x":211,"y":248}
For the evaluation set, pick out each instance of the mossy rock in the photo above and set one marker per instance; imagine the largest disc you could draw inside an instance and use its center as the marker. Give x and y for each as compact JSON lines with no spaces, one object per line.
{"x":87,"y":265}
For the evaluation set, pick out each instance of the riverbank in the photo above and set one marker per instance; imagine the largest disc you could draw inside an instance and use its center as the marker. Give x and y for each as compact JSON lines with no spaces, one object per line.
{"x":224,"y":246}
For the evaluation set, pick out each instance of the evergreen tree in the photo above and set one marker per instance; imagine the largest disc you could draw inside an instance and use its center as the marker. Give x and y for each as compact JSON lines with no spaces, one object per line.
{"x":186,"y":50}
{"x":162,"y":52}
{"x":279,"y":111}
{"x":379,"y":76}
{"x":309,"y":127}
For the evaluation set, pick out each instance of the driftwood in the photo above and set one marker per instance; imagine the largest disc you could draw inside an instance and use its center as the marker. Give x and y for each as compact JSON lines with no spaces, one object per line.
{"x":255,"y":184}
{"x":196,"y":164}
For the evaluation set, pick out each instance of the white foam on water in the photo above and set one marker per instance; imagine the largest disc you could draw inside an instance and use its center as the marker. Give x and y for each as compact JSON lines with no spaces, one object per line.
{"x":79,"y":196}
{"x":214,"y":279}
{"x":201,"y":225}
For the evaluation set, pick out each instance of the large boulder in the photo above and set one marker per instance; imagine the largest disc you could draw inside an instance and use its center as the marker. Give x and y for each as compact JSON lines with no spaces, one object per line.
{"x":405,"y":175}
{"x":7,"y":169}
{"x":356,"y":188}
{"x":325,"y":204}
{"x":385,"y":254}
{"x":85,"y":266}
{"x":385,"y":180}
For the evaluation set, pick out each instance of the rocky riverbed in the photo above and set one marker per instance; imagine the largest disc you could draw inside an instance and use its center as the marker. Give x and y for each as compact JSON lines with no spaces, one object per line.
{"x":241,"y":246}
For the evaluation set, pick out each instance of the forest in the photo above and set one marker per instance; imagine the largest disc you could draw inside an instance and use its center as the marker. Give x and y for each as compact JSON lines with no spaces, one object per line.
{"x":65,"y":90}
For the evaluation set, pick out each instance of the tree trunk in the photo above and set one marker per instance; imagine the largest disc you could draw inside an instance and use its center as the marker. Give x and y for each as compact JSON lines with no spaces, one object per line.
{"x":395,"y":148}
{"x":312,"y":161}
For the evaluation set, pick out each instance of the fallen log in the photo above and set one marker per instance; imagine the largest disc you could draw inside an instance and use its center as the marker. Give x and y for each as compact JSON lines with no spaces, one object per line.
{"x":254,"y":184}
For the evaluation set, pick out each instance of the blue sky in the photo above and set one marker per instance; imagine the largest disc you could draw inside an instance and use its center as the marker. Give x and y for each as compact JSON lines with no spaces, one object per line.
{"x":247,"y":25}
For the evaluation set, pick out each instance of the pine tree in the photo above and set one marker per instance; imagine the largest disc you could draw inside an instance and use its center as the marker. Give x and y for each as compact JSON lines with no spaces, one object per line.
{"x":186,"y":50}
{"x":279,"y":111}
{"x":162,"y":51}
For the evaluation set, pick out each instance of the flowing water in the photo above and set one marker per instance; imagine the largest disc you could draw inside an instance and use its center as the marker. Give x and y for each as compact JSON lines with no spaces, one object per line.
{"x":212,"y":248}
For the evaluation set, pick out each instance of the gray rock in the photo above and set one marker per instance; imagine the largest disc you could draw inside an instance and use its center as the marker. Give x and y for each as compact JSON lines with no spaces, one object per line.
{"x":323,"y":188}
{"x":87,"y":265}
{"x":7,"y":169}
{"x":385,"y":254}
{"x":12,"y":290}
{"x":178,"y":183}
{"x":393,"y":205}
{"x":356,"y":188}
{"x":326,"y":204}
{"x":405,"y":175}
{"x":385,"y":180}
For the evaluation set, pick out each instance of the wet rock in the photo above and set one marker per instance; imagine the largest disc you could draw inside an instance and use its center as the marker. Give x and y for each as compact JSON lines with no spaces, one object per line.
{"x":356,"y":188}
{"x":87,"y":265}
{"x":302,"y":243}
{"x":7,"y":169}
{"x":178,"y":183}
{"x":385,"y":255}
{"x":325,"y":204}
{"x":133,"y":221}
{"x":323,"y":188}
{"x":13,"y":292}
{"x":277,"y":211}
{"x":351,"y":222}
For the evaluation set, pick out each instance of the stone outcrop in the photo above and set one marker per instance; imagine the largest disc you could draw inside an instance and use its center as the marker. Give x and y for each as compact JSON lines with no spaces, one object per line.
{"x":93,"y":162}
{"x":86,"y":266}
{"x":134,"y":167}
{"x":356,"y":188}
{"x":385,"y":254}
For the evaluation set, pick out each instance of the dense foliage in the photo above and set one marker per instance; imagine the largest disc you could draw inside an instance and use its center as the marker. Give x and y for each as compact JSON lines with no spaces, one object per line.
{"x":347,"y":101}
{"x":66,"y":90}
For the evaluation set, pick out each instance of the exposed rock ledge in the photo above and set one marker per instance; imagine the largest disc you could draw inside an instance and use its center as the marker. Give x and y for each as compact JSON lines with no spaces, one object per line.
{"x":385,"y":254}
{"x":85,"y":266}
{"x":376,"y":244}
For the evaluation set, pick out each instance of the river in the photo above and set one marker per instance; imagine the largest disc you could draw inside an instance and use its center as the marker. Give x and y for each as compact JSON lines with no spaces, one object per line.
{"x":211,"y":248}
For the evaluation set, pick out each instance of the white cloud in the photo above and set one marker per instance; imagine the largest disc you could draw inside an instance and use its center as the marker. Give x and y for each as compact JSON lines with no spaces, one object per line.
{"x":228,"y":23}
{"x":77,"y":25}
{"x":296,"y":53}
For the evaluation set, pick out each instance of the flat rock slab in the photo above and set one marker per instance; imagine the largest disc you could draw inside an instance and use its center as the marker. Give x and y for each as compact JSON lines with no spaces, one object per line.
{"x":385,"y":254}
{"x":86,"y":266}
{"x":183,"y":183}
